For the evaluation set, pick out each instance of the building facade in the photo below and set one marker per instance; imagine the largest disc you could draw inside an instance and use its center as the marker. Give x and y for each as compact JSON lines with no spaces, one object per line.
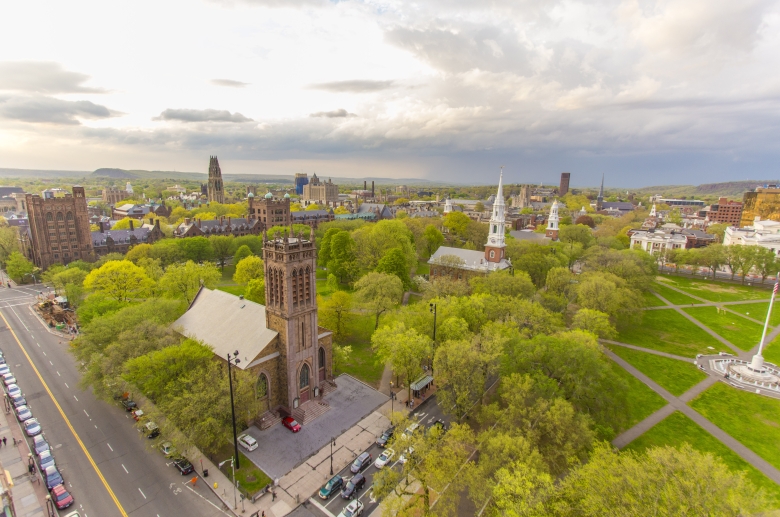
{"x":215,"y":189}
{"x":113,"y":195}
{"x":725,"y":211}
{"x":270,"y":211}
{"x":236,"y":227}
{"x":552,"y":222}
{"x":320,"y":191}
{"x":105,"y":241}
{"x":59,"y":228}
{"x":564,"y":188}
{"x":301,"y":179}
{"x":760,"y":233}
{"x":762,"y":204}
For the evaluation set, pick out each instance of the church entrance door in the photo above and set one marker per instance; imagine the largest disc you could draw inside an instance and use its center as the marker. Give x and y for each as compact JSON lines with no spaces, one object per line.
{"x":321,"y":361}
{"x":304,"y":384}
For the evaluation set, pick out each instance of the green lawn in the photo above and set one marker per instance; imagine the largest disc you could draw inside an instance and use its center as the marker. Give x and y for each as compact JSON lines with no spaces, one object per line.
{"x":757,"y":311}
{"x":717,"y":291}
{"x":772,"y":352}
{"x":642,"y":401}
{"x":677,"y":429}
{"x":675,"y":376}
{"x":652,"y":300}
{"x":740,"y":331}
{"x":669,"y":331}
{"x":362,"y":362}
{"x":752,"y":419}
{"x":423,"y":268}
{"x":250,"y":478}
{"x":238,"y":290}
{"x":227,"y":275}
{"x":673,"y":296}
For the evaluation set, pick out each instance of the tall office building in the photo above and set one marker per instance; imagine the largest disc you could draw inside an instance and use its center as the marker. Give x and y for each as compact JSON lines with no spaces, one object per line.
{"x":565,"y":177}
{"x":59,"y":227}
{"x":763,"y":202}
{"x":301,"y":179}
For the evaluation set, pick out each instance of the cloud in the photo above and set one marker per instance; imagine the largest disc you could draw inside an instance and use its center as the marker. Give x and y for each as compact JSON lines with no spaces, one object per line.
{"x":353,"y":86}
{"x":333,"y":114}
{"x":40,"y":109}
{"x":273,"y":3}
{"x":207,"y":115}
{"x":230,"y":83}
{"x":42,"y":77}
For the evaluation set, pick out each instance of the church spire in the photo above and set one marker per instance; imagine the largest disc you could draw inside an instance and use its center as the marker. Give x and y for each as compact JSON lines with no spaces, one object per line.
{"x":494,"y":250}
{"x":600,"y":198}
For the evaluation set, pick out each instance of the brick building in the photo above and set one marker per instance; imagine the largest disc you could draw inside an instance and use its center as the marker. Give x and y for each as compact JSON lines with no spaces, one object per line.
{"x":564,"y":188}
{"x":725,"y":211}
{"x":105,"y":241}
{"x":270,"y":211}
{"x":113,"y":195}
{"x":59,"y":228}
{"x":222,"y":226}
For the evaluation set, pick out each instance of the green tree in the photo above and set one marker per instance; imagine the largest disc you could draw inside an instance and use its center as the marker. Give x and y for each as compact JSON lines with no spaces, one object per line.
{"x":766,"y":262}
{"x":594,"y":321}
{"x":394,"y":263}
{"x":713,"y":257}
{"x":124,"y":224}
{"x":576,"y":233}
{"x":249,"y":268}
{"x":185,"y":280}
{"x":138,"y":252}
{"x":379,"y":292}
{"x":403,"y":350}
{"x":9,"y":243}
{"x":221,"y":246}
{"x":342,"y":261}
{"x":323,"y":254}
{"x":433,"y":239}
{"x":67,"y":276}
{"x":373,"y":241}
{"x":18,"y":267}
{"x":504,"y":283}
{"x":335,"y":313}
{"x":242,"y":252}
{"x":459,"y":385}
{"x":169,"y":251}
{"x":255,"y":291}
{"x":611,"y":295}
{"x":332,"y":283}
{"x":120,"y":279}
{"x":313,"y":206}
{"x":457,"y":223}
{"x":718,"y":230}
{"x":559,"y":281}
{"x":196,"y":249}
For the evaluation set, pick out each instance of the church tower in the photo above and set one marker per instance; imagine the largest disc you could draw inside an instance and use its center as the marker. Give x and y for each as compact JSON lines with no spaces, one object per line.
{"x":600,"y":197}
{"x":552,"y":222}
{"x":291,"y":310}
{"x":494,"y":249}
{"x":215,"y":192}
{"x":447,"y":206}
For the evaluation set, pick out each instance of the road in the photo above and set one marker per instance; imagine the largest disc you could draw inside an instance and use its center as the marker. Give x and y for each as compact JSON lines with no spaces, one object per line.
{"x":426,"y":414}
{"x":107,"y":466}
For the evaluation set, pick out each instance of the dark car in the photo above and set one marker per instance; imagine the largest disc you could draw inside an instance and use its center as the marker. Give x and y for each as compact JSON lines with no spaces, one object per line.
{"x":362,"y":461}
{"x":357,"y":482}
{"x":382,"y":440}
{"x":40,"y":444}
{"x":442,"y":427}
{"x":331,"y":487}
{"x":129,"y":405}
{"x":184,"y":466}
{"x":18,"y":400}
{"x":53,"y":477}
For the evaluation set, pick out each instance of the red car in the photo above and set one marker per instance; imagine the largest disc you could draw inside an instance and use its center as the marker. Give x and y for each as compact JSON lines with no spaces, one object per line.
{"x":291,"y":424}
{"x":61,"y":497}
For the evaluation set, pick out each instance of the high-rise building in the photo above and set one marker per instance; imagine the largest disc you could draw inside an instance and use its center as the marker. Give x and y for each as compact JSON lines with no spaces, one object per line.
{"x":59,"y":230}
{"x":321,"y":191}
{"x":763,"y":202}
{"x":564,"y":189}
{"x":301,"y":179}
{"x":216,"y":193}
{"x":725,"y":211}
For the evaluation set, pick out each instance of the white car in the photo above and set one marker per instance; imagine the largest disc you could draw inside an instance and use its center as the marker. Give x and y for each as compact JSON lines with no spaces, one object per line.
{"x":247,"y":442}
{"x":406,"y":455}
{"x":9,"y":379}
{"x":14,"y":390}
{"x":384,"y":458}
{"x":353,"y":509}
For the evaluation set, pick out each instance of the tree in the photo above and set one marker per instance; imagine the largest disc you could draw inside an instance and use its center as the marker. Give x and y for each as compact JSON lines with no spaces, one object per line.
{"x":9,"y":243}
{"x":432,"y":239}
{"x":18,"y":267}
{"x":456,"y":222}
{"x":559,"y":281}
{"x":609,"y":294}
{"x":124,"y":223}
{"x":335,"y":313}
{"x":342,"y":262}
{"x":741,"y":259}
{"x":196,"y":249}
{"x":379,"y":292}
{"x":479,"y":207}
{"x":242,"y":252}
{"x":138,"y":252}
{"x":250,"y":268}
{"x":221,"y":246}
{"x":457,"y":367}
{"x":403,"y":350}
{"x":503,"y":283}
{"x":67,"y":276}
{"x":718,"y":230}
{"x":120,"y":279}
{"x":341,"y":210}
{"x":713,"y":257}
{"x":766,"y":262}
{"x":169,"y":251}
{"x":255,"y":291}
{"x":186,"y":279}
{"x":313,"y":206}
{"x":576,"y":233}
{"x":373,"y":241}
{"x":394,"y":263}
{"x":585,"y":220}
{"x":323,"y":253}
{"x":594,"y":321}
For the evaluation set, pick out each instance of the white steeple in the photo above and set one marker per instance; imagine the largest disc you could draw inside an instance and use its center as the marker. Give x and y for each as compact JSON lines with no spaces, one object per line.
{"x":447,"y":205}
{"x":129,"y":188}
{"x":497,"y":221}
{"x":653,"y":212}
{"x":552,"y":222}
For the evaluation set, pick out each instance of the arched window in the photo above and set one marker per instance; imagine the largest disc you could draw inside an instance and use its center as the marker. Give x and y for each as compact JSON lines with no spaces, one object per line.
{"x":59,"y":216}
{"x":492,"y":254}
{"x":308,"y":285}
{"x":300,"y":294}
{"x":262,"y":386}
{"x":321,"y":357}
{"x":295,"y":287}
{"x":304,"y":380}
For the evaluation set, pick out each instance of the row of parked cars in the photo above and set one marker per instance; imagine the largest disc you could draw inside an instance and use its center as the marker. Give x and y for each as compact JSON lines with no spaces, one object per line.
{"x":43,"y":454}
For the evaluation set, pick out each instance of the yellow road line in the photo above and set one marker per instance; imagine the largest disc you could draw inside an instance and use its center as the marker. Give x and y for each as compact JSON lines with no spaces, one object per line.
{"x":72,"y":430}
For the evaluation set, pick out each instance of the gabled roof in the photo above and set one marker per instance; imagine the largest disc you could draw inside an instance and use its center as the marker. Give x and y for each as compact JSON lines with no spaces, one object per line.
{"x":227,"y":323}
{"x":120,"y":236}
{"x":473,"y":260}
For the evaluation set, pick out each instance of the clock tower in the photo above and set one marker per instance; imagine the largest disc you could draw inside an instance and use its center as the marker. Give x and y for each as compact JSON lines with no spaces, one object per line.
{"x":494,"y":249}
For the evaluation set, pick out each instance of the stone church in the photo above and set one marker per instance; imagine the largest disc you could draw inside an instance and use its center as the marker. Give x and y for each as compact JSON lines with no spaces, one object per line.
{"x":280,"y":342}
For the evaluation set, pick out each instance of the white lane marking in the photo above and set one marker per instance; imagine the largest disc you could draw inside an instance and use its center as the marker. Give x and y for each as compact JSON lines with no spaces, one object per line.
{"x":212,"y":504}
{"x":112,"y":449}
{"x":142,"y":493}
{"x":123,"y":466}
{"x":20,"y":319}
{"x":58,"y":373}
{"x":51,"y":363}
{"x":39,"y":345}
{"x":85,"y":412}
{"x":44,"y":352}
{"x":66,"y":385}
{"x":74,"y":396}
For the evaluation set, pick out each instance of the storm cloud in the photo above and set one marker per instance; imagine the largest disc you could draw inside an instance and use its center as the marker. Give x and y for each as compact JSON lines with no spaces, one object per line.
{"x":41,"y":109}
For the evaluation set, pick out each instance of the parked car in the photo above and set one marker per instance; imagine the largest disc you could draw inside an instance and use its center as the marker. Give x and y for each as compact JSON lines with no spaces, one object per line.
{"x":52,"y":477}
{"x":73,"y":514}
{"x":4,"y":369}
{"x":138,"y":414}
{"x":151,"y":430}
{"x":353,"y":509}
{"x":384,"y":458}
{"x":411,"y":429}
{"x":23,"y":413}
{"x":2,"y":359}
{"x":361,"y":462}
{"x":61,"y":497}
{"x":45,"y":460}
{"x":18,"y":400}
{"x":168,"y":449}
{"x":184,"y":466}
{"x":382,"y":440}
{"x":440,"y":425}
{"x":247,"y":442}
{"x":32,"y":427}
{"x":331,"y":487}
{"x":290,"y":423}
{"x":406,"y":455}
{"x":13,"y":390}
{"x":40,"y":444}
{"x":129,"y":405}
{"x":357,"y":482}
{"x":9,"y":378}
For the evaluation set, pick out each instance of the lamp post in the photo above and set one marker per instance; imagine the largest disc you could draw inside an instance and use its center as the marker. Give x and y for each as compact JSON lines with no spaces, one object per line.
{"x":392,"y":398}
{"x":433,"y":310}
{"x":332,"y":443}
{"x":230,"y":361}
{"x":50,"y":506}
{"x":233,"y":466}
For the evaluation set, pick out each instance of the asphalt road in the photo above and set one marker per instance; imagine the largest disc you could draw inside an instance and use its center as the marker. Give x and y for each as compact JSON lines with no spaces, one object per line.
{"x":426,"y":414}
{"x":110,"y":469}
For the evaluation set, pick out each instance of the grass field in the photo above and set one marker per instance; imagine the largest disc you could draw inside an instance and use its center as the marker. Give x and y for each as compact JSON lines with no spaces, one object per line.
{"x":772,"y":351}
{"x":227,"y":275}
{"x":740,"y":331}
{"x":237,"y":290}
{"x":642,"y":401}
{"x":652,"y":300}
{"x":757,"y":311}
{"x":673,"y":296}
{"x":675,"y":376}
{"x":362,"y":362}
{"x":423,"y":268}
{"x":716,"y":291}
{"x":250,"y":478}
{"x":669,"y":331}
{"x":751,"y":419}
{"x":677,"y":429}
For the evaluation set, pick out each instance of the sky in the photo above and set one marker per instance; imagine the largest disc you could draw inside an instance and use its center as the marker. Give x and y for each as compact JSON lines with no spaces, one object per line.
{"x":645,"y":92}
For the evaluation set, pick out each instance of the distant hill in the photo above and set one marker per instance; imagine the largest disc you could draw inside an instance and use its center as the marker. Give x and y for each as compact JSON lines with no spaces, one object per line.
{"x":43,"y":174}
{"x":732,"y":189}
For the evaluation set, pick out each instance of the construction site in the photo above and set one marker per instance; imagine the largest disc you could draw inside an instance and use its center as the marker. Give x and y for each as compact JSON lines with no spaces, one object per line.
{"x":57,"y":313}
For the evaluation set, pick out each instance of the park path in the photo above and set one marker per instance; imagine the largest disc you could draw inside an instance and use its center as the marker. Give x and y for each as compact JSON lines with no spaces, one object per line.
{"x":706,"y":303}
{"x":647,"y":350}
{"x":681,"y":403}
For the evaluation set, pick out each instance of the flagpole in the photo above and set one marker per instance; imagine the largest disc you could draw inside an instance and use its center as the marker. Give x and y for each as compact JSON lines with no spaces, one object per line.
{"x":758,"y":359}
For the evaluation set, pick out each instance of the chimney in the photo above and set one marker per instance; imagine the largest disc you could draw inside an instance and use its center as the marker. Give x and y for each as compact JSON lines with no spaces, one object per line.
{"x":157,"y":224}
{"x":131,"y":225}
{"x":187,"y":220}
{"x":151,"y":220}
{"x":198,"y":221}
{"x":228,"y":220}
{"x":365,"y":185}
{"x":102,"y":228}
{"x":221,"y":220}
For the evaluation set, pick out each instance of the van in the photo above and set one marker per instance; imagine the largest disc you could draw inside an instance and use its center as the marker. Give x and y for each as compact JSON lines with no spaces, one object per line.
{"x":362,"y":461}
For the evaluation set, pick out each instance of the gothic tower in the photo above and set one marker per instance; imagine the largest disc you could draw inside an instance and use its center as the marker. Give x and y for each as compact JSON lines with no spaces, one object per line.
{"x":291,"y":310}
{"x":215,"y":192}
{"x":494,"y":249}
{"x":552,"y":222}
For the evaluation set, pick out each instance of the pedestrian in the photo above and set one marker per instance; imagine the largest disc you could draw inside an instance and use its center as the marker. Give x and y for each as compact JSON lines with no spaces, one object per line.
{"x":263,"y":513}
{"x":14,"y":442}
{"x":273,"y":495}
{"x":4,"y":440}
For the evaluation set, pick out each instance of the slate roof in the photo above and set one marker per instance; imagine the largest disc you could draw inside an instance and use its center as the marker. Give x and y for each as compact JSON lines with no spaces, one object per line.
{"x":617,"y":205}
{"x":215,"y":226}
{"x":528,"y":235}
{"x":474,"y":260}
{"x":309,"y":214}
{"x":227,"y":323}
{"x":120,"y":236}
{"x":384,"y":211}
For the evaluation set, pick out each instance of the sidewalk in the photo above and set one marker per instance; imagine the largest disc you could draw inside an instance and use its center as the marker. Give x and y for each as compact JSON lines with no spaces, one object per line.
{"x":28,"y":497}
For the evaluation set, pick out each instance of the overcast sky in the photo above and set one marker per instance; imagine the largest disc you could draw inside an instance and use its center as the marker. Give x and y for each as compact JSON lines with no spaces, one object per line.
{"x":647,"y":92}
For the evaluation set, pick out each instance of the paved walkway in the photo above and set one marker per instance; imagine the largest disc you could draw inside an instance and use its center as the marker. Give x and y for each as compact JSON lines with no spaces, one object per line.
{"x":707,"y":303}
{"x":647,"y":350}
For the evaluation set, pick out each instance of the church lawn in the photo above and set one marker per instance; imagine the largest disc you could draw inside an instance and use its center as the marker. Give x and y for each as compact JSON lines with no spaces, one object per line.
{"x":250,"y":478}
{"x":362,"y":363}
{"x":423,"y":268}
{"x":715,"y":291}
{"x":675,"y":376}
{"x":237,"y":290}
{"x":737,"y":330}
{"x":772,"y":352}
{"x":752,"y":419}
{"x":757,"y":311}
{"x":652,"y":300}
{"x":673,"y":296}
{"x":669,"y":331}
{"x":227,"y":275}
{"x":642,"y":401}
{"x":677,"y":429}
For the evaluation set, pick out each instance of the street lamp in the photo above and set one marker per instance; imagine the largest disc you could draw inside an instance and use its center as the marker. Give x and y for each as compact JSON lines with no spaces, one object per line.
{"x":332,"y":443}
{"x":233,"y":360}
{"x":233,"y":465}
{"x":433,"y":310}
{"x":50,"y":506}
{"x":392,"y":398}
